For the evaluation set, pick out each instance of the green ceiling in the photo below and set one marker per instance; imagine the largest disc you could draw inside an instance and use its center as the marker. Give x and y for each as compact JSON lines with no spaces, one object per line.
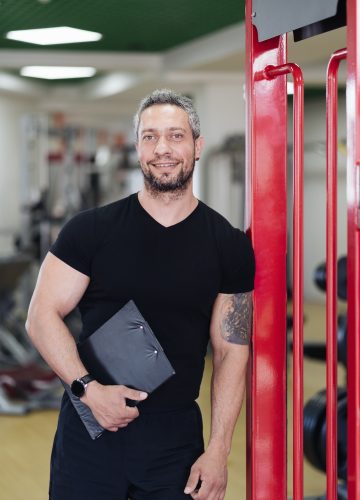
{"x":126,"y":25}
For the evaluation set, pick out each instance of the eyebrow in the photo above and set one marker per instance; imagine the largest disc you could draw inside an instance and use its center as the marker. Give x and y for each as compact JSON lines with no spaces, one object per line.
{"x":171,"y":129}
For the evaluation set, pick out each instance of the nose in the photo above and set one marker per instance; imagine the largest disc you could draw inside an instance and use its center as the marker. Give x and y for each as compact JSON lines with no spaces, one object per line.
{"x":162,"y":146}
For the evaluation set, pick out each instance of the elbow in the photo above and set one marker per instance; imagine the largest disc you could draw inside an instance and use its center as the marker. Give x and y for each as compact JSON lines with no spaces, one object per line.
{"x":29,"y":326}
{"x":34,"y":320}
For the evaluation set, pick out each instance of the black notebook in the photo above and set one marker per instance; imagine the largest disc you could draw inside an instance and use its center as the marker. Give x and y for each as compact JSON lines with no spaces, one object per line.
{"x":123,"y":351}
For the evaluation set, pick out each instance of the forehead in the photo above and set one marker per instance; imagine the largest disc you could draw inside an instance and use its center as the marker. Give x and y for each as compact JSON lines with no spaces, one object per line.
{"x":163,"y":116}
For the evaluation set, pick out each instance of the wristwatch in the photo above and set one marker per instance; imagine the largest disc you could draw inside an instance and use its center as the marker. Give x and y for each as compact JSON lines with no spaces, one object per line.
{"x":78,"y":386}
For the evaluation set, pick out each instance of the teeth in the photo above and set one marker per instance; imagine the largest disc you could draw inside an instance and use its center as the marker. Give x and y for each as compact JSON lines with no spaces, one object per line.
{"x":165,"y":164}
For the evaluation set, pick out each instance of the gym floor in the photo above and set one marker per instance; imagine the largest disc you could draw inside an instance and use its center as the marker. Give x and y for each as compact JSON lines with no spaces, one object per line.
{"x":26,"y":441}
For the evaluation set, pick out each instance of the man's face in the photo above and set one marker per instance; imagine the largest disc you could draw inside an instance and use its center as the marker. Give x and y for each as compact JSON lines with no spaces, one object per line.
{"x":166,"y":148}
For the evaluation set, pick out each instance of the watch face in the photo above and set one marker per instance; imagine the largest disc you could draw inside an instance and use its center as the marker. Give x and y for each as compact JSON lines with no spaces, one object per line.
{"x":77,"y":388}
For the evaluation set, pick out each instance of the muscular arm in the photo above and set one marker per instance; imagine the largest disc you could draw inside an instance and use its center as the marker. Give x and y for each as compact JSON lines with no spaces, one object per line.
{"x":230,"y":336}
{"x":58,"y":290}
{"x":230,"y":332}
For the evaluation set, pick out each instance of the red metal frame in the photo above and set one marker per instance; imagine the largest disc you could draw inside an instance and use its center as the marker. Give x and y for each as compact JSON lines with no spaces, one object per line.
{"x":266,"y":202}
{"x":266,"y":102}
{"x":331,"y":273}
{"x":353,"y":248}
{"x":298,"y":269}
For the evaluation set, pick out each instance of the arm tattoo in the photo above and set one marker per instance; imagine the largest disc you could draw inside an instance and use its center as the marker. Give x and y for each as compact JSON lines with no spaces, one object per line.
{"x":236,"y":318}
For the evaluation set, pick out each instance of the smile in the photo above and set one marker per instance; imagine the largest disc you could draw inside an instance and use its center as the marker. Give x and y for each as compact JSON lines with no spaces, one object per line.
{"x":164,"y":164}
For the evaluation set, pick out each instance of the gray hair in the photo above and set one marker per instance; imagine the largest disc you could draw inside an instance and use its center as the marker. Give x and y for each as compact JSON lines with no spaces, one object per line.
{"x":166,"y":96}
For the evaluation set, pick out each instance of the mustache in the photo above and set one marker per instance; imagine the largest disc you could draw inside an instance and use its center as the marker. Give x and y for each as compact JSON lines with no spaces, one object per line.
{"x":163,"y":160}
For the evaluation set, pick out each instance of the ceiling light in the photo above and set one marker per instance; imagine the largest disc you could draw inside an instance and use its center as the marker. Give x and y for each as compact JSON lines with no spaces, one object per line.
{"x":57,"y":72}
{"x":53,"y":36}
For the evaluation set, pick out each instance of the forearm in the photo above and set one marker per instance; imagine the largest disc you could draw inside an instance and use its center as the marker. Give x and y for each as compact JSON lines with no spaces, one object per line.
{"x":56,"y":344}
{"x":227,"y":394}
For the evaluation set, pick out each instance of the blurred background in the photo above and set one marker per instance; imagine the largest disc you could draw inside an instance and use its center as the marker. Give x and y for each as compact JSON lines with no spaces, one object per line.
{"x":67,"y":99}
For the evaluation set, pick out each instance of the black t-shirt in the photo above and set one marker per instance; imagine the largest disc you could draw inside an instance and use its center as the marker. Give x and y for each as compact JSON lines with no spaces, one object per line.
{"x":173,"y":274}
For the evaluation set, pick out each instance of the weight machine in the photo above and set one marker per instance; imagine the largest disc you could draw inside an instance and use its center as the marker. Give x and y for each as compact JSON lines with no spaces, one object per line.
{"x":267,"y":23}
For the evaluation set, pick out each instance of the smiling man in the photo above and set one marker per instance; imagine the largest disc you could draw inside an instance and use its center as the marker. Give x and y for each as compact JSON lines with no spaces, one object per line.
{"x":191,"y":275}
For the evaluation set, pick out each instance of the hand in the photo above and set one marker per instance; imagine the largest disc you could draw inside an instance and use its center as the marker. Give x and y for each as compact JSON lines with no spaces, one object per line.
{"x":211,"y":469}
{"x":108,"y":404}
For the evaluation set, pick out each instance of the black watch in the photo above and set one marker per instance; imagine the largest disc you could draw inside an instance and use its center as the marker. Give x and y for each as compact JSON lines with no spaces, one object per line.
{"x":78,"y":387}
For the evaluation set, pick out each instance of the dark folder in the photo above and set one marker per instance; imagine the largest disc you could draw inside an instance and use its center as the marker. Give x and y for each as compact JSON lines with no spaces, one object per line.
{"x":125,"y":351}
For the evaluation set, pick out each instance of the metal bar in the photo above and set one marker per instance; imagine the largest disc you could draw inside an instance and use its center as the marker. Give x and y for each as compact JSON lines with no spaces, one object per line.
{"x":331,"y":273}
{"x":266,"y":219}
{"x":353,"y":245}
{"x":298,"y":270}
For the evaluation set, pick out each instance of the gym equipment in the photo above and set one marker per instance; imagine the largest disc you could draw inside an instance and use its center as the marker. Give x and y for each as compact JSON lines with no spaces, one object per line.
{"x":28,"y":388}
{"x":266,"y":215}
{"x":317,"y":350}
{"x":14,"y":347}
{"x":341,"y":492}
{"x":25,"y":383}
{"x":320,"y":277}
{"x":315,"y":431}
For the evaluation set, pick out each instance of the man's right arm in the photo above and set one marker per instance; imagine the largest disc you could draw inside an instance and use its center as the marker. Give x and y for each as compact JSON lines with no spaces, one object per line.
{"x":58,"y":290}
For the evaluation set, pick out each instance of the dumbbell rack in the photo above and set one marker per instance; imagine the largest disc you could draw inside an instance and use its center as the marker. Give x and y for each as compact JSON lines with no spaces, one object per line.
{"x":266,"y":223}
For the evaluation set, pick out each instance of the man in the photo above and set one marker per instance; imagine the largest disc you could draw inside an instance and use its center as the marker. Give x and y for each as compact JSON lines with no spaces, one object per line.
{"x":190,"y":273}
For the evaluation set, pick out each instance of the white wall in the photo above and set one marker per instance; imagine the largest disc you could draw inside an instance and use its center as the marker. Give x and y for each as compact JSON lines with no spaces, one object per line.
{"x":221,"y":109}
{"x":11,"y":110}
{"x":315,"y":191}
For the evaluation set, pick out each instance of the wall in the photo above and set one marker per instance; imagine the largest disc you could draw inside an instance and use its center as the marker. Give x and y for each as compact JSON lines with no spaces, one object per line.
{"x":315,"y":191}
{"x":11,"y":110}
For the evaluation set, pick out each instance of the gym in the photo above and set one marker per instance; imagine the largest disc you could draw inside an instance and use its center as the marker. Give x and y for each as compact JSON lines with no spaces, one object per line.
{"x":276,"y":84}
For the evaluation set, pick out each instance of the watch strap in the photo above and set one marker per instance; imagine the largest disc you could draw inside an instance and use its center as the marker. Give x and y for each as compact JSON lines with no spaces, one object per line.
{"x":86,"y":379}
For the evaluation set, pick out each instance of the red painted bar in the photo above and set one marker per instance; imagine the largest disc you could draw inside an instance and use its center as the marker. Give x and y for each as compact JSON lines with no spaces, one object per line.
{"x":298,"y":270}
{"x":353,"y":247}
{"x":266,"y":135}
{"x":331,"y":273}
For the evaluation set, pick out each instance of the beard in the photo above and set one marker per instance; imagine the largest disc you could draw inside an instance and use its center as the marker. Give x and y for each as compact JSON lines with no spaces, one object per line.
{"x":167,"y":183}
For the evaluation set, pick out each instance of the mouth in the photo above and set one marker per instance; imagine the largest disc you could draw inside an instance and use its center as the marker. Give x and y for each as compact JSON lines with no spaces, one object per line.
{"x":165,"y":164}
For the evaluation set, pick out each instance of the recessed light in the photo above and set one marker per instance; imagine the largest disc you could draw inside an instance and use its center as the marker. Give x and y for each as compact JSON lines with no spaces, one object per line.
{"x":54,"y":36}
{"x":57,"y":72}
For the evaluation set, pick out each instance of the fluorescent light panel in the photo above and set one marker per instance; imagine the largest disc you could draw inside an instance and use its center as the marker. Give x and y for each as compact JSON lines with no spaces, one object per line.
{"x":57,"y":72}
{"x":54,"y":36}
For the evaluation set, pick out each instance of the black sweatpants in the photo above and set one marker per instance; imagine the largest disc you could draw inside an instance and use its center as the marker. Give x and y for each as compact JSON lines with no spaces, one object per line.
{"x":150,"y":459}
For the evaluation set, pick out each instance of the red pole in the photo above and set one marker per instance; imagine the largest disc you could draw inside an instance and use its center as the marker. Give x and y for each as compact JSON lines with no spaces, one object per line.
{"x":331,"y":274}
{"x":266,"y":149}
{"x":353,"y":247}
{"x":298,"y":270}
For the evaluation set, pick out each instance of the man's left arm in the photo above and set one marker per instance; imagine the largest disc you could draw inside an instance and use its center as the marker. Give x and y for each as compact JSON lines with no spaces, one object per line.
{"x":230,"y":332}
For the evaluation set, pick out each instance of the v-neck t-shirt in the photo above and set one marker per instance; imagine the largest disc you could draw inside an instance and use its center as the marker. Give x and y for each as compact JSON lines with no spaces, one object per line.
{"x":173,"y":274}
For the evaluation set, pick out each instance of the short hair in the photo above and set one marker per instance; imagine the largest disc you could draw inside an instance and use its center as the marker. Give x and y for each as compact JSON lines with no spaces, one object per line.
{"x":167,"y":96}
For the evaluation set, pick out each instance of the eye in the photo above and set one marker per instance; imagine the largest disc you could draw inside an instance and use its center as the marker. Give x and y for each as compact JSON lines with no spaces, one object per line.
{"x":177,"y":136}
{"x":148,"y":137}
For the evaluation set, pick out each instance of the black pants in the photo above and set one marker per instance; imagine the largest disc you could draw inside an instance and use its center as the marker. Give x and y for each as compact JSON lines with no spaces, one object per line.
{"x":150,"y":459}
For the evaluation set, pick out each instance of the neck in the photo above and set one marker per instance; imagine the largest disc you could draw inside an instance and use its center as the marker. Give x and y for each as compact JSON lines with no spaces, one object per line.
{"x":168,"y":208}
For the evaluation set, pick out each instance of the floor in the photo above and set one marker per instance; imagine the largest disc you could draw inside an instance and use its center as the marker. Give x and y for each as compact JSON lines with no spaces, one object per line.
{"x":26,"y":441}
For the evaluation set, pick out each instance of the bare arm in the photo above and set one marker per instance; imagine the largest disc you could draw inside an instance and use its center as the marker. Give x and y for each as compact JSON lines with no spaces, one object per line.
{"x":230,"y":332}
{"x":58,"y":290}
{"x":230,"y":336}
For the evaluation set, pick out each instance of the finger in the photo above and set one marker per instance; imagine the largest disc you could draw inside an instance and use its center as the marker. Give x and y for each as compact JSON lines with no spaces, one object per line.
{"x":131,"y":412}
{"x":133,"y":393}
{"x":192,"y":481}
{"x":205,"y":492}
{"x":112,"y":429}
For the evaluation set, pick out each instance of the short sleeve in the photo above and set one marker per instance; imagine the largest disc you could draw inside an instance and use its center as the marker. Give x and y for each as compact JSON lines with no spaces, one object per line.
{"x":238,"y":262}
{"x":76,"y":242}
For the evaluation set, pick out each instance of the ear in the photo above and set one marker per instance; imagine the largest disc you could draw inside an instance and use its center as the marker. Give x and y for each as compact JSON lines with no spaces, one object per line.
{"x":199,"y":146}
